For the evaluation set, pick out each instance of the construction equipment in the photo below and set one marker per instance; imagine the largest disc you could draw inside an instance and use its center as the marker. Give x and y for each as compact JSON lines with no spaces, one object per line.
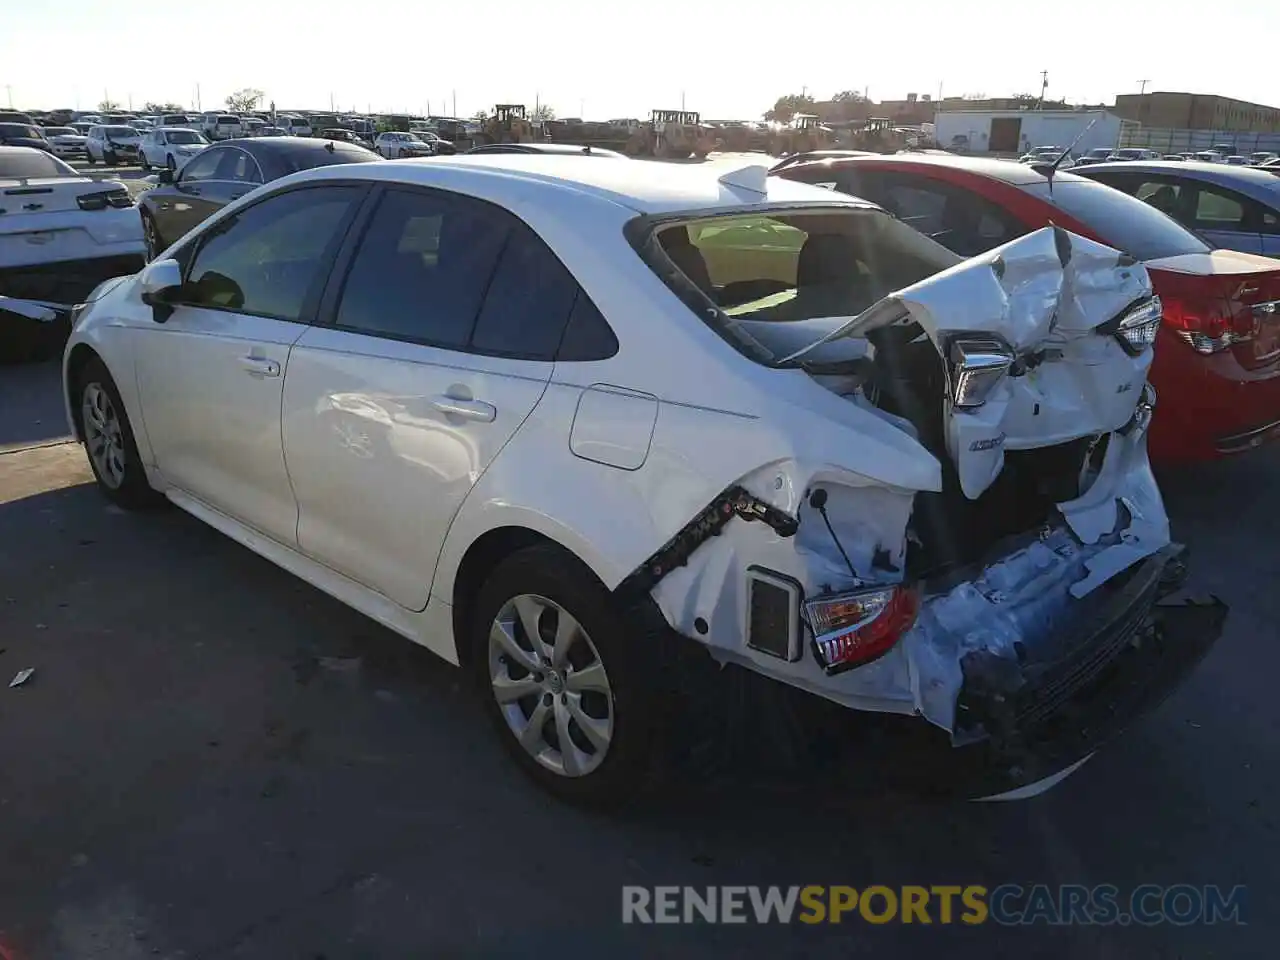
{"x":878,"y":135}
{"x":672,"y":135}
{"x":509,"y":124}
{"x":805,"y":132}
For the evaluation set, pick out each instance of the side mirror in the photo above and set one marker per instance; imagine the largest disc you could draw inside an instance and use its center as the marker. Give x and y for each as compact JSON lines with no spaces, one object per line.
{"x":165,"y":176}
{"x":160,"y":281}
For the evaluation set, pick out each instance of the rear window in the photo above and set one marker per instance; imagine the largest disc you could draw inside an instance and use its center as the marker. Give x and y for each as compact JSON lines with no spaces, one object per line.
{"x":120,"y":131}
{"x":1122,"y":221}
{"x":176,"y":118}
{"x":228,"y":119}
{"x":20,"y":164}
{"x":341,"y":153}
{"x":787,"y":267}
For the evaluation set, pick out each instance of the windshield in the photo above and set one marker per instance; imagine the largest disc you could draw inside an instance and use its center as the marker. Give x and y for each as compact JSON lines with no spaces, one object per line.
{"x":120,"y":131}
{"x":225,"y":120}
{"x":18,"y":130}
{"x":787,"y":267}
{"x":1100,"y":152}
{"x":1122,"y":221}
{"x":184,"y":136}
{"x":25,"y":163}
{"x":58,"y":131}
{"x":1129,"y":154}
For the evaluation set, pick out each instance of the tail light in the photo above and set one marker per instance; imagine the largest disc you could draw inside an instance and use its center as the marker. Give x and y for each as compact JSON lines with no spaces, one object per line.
{"x":119,"y":199}
{"x":1208,"y":324}
{"x":852,"y":629}
{"x":1136,"y":328}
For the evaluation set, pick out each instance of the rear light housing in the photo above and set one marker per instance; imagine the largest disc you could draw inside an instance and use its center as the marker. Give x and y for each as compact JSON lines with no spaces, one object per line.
{"x":852,"y":629}
{"x":118,"y":198}
{"x":1208,"y":324}
{"x":976,"y":367}
{"x":1136,"y":328}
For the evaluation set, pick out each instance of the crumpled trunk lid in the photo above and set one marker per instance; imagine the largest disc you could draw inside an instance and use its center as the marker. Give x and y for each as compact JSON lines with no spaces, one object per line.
{"x":1043,"y":296}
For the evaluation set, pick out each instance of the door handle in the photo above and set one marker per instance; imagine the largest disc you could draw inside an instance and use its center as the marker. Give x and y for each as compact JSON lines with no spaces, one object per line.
{"x":260,"y":366}
{"x":466,"y":409}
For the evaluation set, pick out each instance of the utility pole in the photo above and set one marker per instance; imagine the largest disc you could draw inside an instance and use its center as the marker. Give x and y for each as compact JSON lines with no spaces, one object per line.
{"x":1044,"y":85}
{"x":682,"y":101}
{"x":131,"y":103}
{"x":1142,"y":87}
{"x":455,"y":103}
{"x":8,"y":88}
{"x":331,"y":107}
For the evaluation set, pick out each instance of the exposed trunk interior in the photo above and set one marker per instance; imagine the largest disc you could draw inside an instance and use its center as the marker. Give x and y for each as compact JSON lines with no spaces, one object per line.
{"x":907,"y":379}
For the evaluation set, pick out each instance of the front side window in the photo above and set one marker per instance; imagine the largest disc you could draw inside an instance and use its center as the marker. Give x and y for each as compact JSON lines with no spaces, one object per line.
{"x":243,"y":168}
{"x":268,"y":258}
{"x":422,"y":268}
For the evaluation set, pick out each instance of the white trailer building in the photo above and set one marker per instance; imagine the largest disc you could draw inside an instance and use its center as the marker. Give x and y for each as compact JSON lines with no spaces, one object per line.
{"x":1014,"y":132}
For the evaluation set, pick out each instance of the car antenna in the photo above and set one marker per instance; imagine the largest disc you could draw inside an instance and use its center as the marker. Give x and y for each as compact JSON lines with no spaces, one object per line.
{"x":1067,"y":152}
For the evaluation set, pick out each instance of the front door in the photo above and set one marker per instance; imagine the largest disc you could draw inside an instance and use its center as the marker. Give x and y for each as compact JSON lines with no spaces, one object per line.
{"x":211,"y":374}
{"x":422,"y":365}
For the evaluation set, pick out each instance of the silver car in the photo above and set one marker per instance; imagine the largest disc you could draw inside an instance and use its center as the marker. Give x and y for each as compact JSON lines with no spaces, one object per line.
{"x":1234,"y":208}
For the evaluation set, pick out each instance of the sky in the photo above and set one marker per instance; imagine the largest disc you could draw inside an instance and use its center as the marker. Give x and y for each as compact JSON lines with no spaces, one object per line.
{"x":728,"y":60}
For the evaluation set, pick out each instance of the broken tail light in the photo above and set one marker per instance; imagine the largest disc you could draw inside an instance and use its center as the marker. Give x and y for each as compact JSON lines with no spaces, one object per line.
{"x":1136,"y":329}
{"x":977,"y":366}
{"x":852,"y":629}
{"x":119,"y":199}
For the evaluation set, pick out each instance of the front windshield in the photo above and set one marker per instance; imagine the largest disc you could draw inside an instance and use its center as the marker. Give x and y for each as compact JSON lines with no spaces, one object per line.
{"x":121,"y":132}
{"x":789,"y":267}
{"x":184,"y":136}
{"x":58,"y":131}
{"x":30,"y":162}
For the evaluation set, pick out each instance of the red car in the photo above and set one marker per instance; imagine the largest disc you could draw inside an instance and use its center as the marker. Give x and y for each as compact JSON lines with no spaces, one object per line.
{"x":1217,"y":363}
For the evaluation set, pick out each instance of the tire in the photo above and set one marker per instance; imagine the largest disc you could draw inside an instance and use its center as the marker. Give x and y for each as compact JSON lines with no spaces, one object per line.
{"x":146,"y":167}
{"x":151,"y":236}
{"x":171,"y":163}
{"x":118,"y":469}
{"x":621,"y":703}
{"x":110,"y":159}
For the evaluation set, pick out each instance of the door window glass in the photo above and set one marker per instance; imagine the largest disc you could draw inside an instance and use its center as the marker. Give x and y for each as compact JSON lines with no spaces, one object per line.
{"x":1164,"y":196}
{"x":266,"y":259}
{"x":203,"y":167}
{"x":1218,"y":210}
{"x":422,"y":268}
{"x":243,"y":168}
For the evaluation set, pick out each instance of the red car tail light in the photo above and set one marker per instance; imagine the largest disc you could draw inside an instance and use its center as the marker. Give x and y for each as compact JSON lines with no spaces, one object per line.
{"x":1207,"y":323}
{"x":852,"y":629}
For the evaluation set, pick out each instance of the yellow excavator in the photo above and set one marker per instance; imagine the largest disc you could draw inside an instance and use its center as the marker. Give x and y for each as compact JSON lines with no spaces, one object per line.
{"x":509,"y":124}
{"x":878,"y":135}
{"x":672,"y":135}
{"x":805,"y":132}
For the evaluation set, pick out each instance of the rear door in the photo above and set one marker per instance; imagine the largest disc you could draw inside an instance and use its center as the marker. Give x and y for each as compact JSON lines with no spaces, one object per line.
{"x":1226,"y":218}
{"x":437,"y":340}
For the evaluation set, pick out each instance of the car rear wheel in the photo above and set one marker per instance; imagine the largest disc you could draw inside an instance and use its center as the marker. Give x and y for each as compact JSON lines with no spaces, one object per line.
{"x":574,"y":701}
{"x":108,"y":440}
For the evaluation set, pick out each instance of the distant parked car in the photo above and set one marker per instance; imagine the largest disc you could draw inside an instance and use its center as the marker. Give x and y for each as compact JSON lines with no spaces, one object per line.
{"x":253,"y":126}
{"x":176,"y":120}
{"x":24,"y":135}
{"x":1134,"y":153}
{"x":273,"y":132}
{"x":1047,"y":155}
{"x":1177,"y":157}
{"x":1096,"y":155}
{"x":395,"y":144}
{"x":439,"y":145}
{"x":141,"y":123}
{"x":226,"y":171}
{"x":1235,"y":208}
{"x":1235,"y":160}
{"x":171,"y":147}
{"x":81,"y":127}
{"x":16,"y":116}
{"x":113,"y":144}
{"x":1206,"y":156}
{"x":221,"y":126}
{"x":1259,"y":157}
{"x":344,"y":135}
{"x":295,"y":126}
{"x":66,"y":142}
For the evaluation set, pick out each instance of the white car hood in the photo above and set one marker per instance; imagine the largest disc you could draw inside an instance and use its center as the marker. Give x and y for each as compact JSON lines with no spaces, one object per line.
{"x":1043,"y":294}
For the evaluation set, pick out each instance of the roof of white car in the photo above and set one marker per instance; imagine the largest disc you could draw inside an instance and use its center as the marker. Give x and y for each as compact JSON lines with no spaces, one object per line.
{"x":648,"y":187}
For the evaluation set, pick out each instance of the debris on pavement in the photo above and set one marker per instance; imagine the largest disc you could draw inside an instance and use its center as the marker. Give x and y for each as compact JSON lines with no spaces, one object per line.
{"x":22,"y":677}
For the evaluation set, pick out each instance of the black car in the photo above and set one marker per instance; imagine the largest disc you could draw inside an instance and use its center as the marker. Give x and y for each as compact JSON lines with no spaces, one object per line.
{"x":553,"y":149}
{"x":23,"y":135}
{"x":227,"y":171}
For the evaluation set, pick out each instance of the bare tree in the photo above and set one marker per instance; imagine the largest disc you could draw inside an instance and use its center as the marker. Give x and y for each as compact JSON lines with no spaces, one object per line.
{"x":151,"y":106}
{"x":242,"y":101}
{"x":849,"y":96}
{"x":542,"y":112}
{"x":480,"y":115}
{"x":108,"y":105}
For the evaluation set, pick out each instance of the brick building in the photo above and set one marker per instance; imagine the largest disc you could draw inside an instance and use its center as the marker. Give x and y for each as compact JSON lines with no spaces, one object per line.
{"x":1196,"y":111}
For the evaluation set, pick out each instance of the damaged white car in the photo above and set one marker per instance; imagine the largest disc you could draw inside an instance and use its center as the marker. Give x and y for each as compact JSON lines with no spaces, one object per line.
{"x":563,"y":426}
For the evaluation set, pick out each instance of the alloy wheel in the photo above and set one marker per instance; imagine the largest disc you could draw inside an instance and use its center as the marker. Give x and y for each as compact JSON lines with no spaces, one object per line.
{"x":103,"y":435}
{"x":550,"y":685}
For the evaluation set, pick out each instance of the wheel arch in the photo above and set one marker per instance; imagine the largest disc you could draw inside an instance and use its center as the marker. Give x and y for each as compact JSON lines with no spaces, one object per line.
{"x":81,"y":356}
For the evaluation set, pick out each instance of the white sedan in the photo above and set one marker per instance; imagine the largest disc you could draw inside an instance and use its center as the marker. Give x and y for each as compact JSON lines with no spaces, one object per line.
{"x":171,"y":147}
{"x":395,"y":144}
{"x":572,"y":425}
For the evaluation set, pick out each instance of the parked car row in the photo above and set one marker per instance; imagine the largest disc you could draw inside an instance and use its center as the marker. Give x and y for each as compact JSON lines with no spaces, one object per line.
{"x":664,"y":425}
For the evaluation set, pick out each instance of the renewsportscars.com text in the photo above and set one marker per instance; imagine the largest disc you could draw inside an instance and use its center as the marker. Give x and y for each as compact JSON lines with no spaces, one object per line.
{"x":973,"y":904}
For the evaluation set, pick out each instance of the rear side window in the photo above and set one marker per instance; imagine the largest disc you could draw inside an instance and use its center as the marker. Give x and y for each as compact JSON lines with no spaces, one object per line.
{"x":422,"y":268}
{"x":1122,"y":221}
{"x":528,"y":301}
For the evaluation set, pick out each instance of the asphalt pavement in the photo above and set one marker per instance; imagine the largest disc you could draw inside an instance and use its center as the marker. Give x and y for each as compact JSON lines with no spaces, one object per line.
{"x":213,"y":759}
